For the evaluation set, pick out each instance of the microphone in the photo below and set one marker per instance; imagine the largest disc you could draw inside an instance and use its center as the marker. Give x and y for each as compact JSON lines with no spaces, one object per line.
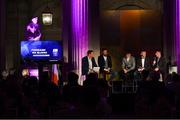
{"x":154,"y":60}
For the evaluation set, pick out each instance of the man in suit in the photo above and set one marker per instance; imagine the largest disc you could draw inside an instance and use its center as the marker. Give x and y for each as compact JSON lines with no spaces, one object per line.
{"x":128,"y":63}
{"x":159,"y":64}
{"x":105,"y":63}
{"x":143,"y":63}
{"x":128,"y":67}
{"x":88,"y":63}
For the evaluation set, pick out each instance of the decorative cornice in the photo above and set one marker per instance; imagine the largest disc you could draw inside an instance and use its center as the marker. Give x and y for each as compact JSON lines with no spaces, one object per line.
{"x":131,"y":4}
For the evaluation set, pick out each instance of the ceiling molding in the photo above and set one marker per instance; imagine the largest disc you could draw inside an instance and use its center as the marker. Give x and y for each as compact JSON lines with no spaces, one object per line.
{"x":131,"y":4}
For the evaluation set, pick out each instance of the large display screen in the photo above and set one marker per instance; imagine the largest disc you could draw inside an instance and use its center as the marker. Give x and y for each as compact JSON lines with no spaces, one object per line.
{"x":42,"y":50}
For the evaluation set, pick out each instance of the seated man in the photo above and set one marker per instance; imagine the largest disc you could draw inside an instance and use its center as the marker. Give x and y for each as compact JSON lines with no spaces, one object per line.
{"x":88,"y":63}
{"x":143,"y":63}
{"x":105,"y":63}
{"x":128,"y":67}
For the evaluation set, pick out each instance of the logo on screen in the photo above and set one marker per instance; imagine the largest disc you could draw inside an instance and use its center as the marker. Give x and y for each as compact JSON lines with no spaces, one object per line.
{"x":55,"y":52}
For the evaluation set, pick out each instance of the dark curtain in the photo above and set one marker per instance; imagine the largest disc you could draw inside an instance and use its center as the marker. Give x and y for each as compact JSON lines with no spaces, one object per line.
{"x":2,"y":33}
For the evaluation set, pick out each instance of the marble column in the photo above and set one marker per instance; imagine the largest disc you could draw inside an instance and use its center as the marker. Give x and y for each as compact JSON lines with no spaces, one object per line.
{"x":79,"y":32}
{"x":76,"y":31}
{"x":177,"y":34}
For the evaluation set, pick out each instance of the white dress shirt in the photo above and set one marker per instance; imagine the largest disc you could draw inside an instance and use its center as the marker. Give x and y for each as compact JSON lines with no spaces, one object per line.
{"x":105,"y":58}
{"x":90,"y":63}
{"x":142,"y":62}
{"x":128,"y":59}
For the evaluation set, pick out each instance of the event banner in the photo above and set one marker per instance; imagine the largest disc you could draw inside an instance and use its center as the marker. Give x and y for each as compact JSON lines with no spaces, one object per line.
{"x":42,"y":50}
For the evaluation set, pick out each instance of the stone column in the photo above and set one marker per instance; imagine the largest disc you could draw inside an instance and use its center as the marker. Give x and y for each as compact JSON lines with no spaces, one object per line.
{"x":80,"y":30}
{"x":76,"y":31}
{"x":177,"y":34}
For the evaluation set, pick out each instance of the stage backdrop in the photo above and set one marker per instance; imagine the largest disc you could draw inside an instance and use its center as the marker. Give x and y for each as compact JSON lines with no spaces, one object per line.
{"x":130,"y":30}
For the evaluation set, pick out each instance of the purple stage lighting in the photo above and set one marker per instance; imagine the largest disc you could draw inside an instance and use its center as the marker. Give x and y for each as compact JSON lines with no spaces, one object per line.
{"x":32,"y":30}
{"x":79,"y":22}
{"x":178,"y":34}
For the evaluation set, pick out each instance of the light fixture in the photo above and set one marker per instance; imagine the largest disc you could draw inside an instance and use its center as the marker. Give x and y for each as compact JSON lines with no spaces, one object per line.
{"x":47,"y":16}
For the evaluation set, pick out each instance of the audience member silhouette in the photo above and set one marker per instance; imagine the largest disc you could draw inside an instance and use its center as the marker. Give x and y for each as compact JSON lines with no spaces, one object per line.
{"x":29,"y":97}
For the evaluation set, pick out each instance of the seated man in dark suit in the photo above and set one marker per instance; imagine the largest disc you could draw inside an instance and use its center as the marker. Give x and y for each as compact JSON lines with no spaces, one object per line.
{"x":143,"y":63}
{"x":88,"y":63}
{"x":105,"y":63}
{"x":159,"y":64}
{"x":128,"y":67}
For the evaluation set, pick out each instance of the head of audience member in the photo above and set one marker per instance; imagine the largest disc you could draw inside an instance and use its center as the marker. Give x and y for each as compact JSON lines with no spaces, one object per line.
{"x":12,"y":71}
{"x":175,"y":77}
{"x":91,"y":79}
{"x":104,"y":52}
{"x":30,"y":86}
{"x":145,"y":74}
{"x":92,"y":76}
{"x":158,"y":54}
{"x":12,"y":86}
{"x":11,"y":78}
{"x":33,"y":80}
{"x":90,"y":53}
{"x":143,"y":54}
{"x":72,"y":78}
{"x":4,"y":74}
{"x":89,"y":98}
{"x":44,"y":80}
{"x":102,"y":87}
{"x":128,"y":55}
{"x":153,"y":76}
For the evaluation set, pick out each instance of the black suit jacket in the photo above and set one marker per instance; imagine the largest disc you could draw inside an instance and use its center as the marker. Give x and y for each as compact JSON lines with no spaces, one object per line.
{"x":85,"y":65}
{"x":147,"y":64}
{"x":101,"y":62}
{"x":161,"y":64}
